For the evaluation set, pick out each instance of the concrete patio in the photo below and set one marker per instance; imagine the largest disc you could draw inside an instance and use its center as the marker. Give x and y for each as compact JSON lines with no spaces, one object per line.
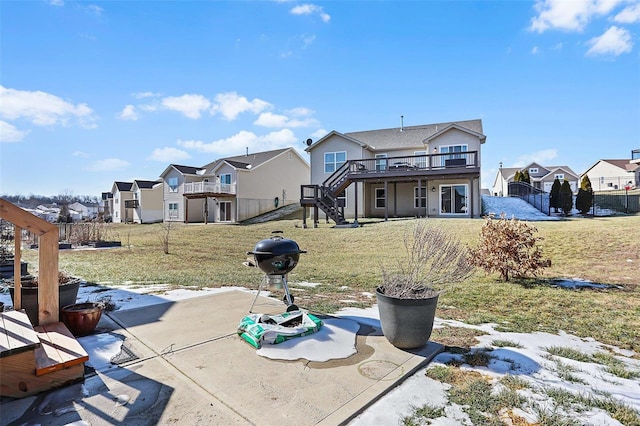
{"x":184,"y":362}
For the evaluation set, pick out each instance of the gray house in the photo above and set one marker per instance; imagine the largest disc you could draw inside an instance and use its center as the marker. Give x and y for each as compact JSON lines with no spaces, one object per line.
{"x":542,"y":177}
{"x":428,"y":170}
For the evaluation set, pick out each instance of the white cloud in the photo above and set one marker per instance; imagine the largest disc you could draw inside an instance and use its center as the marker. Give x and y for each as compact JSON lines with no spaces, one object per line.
{"x":614,"y":41}
{"x":9,"y":133}
{"x":80,"y":154}
{"x":318,"y":134}
{"x":107,"y":165}
{"x":191,"y":106}
{"x":56,"y":2}
{"x":534,"y":51}
{"x":237,"y":144}
{"x":128,"y":113}
{"x":168,"y":155}
{"x":230,"y":105}
{"x":43,"y":109}
{"x":141,"y":95}
{"x":629,"y":15}
{"x":267,"y":119}
{"x":311,"y":9}
{"x":569,"y":15}
{"x":94,"y":9}
{"x":540,"y":157}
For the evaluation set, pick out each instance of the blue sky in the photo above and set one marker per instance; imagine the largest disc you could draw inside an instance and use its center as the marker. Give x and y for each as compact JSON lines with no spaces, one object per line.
{"x":98,"y":91}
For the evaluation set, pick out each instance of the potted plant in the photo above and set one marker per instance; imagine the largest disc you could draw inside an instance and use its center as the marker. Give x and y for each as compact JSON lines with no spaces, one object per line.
{"x":408,"y":295}
{"x":7,"y":257}
{"x":82,"y":318}
{"x":68,"y":287}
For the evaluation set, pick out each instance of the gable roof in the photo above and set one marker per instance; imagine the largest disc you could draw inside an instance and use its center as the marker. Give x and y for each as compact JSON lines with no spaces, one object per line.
{"x":413,"y":136}
{"x":146,"y":184}
{"x":123,"y":186}
{"x":247,"y":161}
{"x":336,"y":133}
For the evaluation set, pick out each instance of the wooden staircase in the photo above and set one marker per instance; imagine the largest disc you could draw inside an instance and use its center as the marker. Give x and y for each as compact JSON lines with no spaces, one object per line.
{"x":325,"y":196}
{"x":33,"y":360}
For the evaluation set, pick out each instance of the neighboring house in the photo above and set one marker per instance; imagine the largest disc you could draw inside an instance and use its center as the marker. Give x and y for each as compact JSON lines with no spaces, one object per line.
{"x":121,"y":192}
{"x":428,"y":170}
{"x":233,"y":189}
{"x":86,"y":210}
{"x":609,"y":175}
{"x":48,"y":212}
{"x":542,"y":177}
{"x":146,"y":205}
{"x":106,"y":208}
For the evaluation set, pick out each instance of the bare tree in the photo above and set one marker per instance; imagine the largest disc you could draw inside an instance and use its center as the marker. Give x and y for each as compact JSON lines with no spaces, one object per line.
{"x":164,"y":236}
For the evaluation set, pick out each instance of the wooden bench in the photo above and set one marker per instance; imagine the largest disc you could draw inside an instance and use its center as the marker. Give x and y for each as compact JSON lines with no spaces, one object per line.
{"x":33,"y":360}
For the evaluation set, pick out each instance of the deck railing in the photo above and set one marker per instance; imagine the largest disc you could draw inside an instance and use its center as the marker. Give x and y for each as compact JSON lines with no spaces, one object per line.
{"x":209,"y":187}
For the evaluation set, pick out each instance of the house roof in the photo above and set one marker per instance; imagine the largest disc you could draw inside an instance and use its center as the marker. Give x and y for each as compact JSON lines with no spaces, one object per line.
{"x":251,"y":159}
{"x":412,"y":136}
{"x":146,"y":184}
{"x":626,"y":165}
{"x":123,"y":186}
{"x":186,"y":170}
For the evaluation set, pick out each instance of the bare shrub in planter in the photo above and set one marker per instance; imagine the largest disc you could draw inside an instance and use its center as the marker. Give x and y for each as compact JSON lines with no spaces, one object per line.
{"x":509,"y":247}
{"x":433,"y":258}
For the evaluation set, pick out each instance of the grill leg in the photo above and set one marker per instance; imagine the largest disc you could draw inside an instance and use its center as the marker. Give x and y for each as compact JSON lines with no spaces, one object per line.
{"x":287,"y":295}
{"x":265,"y":280}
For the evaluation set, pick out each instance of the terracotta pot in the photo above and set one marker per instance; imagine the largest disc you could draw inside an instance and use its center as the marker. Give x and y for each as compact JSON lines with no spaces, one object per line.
{"x":81,"y":318}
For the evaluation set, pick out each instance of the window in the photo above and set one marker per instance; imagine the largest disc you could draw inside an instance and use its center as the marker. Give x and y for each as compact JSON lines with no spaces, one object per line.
{"x":421,"y":161}
{"x":533,"y":170}
{"x":333,"y":160}
{"x":381,"y":162}
{"x":173,"y":210}
{"x":225,"y":211}
{"x":456,"y":153}
{"x":559,"y":176}
{"x":173,"y":184}
{"x":225,"y":179}
{"x":419,"y":201}
{"x":453,"y":199}
{"x":380,"y":198}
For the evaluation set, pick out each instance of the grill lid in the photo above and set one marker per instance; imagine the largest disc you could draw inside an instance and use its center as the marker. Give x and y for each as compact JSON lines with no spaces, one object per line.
{"x":276,"y":246}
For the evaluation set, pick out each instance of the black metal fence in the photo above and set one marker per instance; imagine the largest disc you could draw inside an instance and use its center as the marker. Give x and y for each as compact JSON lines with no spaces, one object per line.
{"x":606,"y":203}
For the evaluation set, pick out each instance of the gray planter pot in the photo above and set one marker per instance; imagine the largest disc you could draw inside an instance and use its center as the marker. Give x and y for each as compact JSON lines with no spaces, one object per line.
{"x":406,"y":323}
{"x":67,"y":293}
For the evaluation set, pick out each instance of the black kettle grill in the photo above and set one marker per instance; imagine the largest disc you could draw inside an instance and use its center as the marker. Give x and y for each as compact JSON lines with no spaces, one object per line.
{"x":276,"y":257}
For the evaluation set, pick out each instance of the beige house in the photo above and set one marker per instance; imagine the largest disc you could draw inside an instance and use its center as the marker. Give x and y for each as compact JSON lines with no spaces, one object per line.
{"x":610,"y":175}
{"x":428,"y":170}
{"x":542,"y":177}
{"x":233,"y":189}
{"x":146,"y":204}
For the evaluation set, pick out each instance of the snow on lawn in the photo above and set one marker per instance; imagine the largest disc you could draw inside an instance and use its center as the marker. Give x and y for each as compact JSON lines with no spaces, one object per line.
{"x":513,"y":207}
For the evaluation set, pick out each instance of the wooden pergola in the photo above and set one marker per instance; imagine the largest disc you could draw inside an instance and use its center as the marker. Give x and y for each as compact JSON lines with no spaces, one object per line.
{"x":48,"y":296}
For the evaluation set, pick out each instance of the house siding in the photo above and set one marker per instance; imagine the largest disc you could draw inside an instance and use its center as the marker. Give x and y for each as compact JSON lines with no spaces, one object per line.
{"x":605,"y":176}
{"x":280,"y":177}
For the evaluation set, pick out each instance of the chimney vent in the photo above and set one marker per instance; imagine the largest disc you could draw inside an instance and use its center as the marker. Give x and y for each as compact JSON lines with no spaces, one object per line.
{"x":247,"y":154}
{"x":402,"y":123}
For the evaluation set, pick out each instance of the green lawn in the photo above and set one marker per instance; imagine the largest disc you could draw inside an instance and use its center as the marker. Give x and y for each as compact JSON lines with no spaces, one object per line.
{"x":348,"y":262}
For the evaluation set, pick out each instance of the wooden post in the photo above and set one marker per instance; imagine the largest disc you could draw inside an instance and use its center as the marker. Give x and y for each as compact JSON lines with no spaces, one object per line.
{"x":48,"y":295}
{"x":48,"y":257}
{"x":17,"y":268}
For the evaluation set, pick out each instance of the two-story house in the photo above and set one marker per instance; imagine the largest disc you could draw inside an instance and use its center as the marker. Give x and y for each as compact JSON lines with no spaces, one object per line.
{"x":146,"y":204}
{"x":233,"y":189}
{"x":430,"y":170}
{"x":121,"y":192}
{"x":541,"y":177}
